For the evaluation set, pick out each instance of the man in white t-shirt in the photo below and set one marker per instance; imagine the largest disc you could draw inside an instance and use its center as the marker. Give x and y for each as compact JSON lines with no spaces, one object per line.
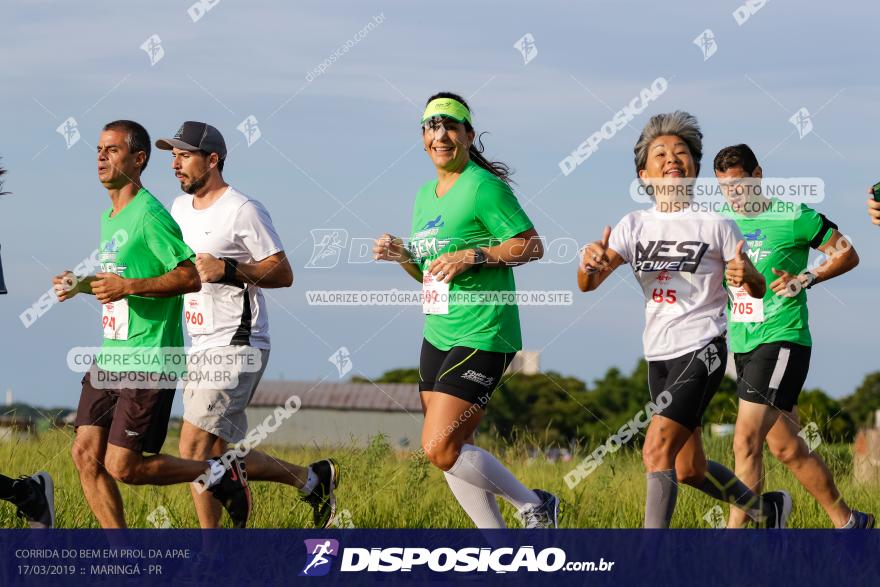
{"x":238,"y":252}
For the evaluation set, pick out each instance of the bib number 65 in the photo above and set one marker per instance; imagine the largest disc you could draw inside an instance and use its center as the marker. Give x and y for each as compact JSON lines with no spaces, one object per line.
{"x":659,"y":295}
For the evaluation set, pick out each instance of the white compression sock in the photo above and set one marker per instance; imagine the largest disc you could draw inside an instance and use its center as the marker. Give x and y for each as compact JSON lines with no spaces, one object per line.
{"x":481,"y":469}
{"x":310,"y":484}
{"x":479,"y":504}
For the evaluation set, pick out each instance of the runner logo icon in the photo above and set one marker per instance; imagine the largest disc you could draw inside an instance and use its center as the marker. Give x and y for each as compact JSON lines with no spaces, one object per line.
{"x":436,"y":223}
{"x":320,"y":554}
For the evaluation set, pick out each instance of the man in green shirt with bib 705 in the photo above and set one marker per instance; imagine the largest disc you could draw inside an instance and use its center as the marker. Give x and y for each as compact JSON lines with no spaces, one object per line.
{"x":770,"y":337}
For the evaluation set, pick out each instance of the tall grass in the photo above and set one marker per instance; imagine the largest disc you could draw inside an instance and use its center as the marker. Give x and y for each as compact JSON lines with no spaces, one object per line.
{"x":385,"y":488}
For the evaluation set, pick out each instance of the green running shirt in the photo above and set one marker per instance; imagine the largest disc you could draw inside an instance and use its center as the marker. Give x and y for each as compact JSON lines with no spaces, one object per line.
{"x":781,"y":238}
{"x":143,"y":240}
{"x":479,"y":210}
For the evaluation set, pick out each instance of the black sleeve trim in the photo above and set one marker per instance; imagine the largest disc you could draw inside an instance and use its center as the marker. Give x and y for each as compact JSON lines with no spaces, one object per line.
{"x":820,"y":236}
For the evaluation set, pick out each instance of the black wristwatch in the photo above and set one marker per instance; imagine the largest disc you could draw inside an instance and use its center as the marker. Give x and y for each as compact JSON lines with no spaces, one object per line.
{"x":229,"y":266}
{"x":479,"y":259}
{"x":811,"y":279}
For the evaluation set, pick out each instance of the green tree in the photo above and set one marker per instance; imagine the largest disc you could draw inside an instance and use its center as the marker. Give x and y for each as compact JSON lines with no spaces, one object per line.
{"x":547,"y":405}
{"x":563,"y":410}
{"x":617,"y":398}
{"x":392,"y":376}
{"x":865,"y":401}
{"x":723,"y":407}
{"x":835,"y":423}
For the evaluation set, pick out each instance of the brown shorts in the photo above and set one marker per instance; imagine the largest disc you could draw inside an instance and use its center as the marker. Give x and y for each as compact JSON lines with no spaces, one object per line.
{"x":137,"y":418}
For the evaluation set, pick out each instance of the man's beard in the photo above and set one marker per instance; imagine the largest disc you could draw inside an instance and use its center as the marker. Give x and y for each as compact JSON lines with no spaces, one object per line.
{"x":193,"y":187}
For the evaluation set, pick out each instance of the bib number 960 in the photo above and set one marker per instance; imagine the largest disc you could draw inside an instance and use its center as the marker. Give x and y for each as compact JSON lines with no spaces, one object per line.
{"x":194,"y":318}
{"x":198,"y":313}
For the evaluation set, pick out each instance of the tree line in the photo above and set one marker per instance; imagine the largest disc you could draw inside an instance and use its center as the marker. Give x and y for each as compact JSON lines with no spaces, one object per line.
{"x":564,"y":410}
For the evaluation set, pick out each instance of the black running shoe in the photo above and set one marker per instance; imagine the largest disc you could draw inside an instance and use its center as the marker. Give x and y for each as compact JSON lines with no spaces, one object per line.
{"x":543,"y":515}
{"x":862,"y":520}
{"x":233,"y":492}
{"x":322,"y":499}
{"x":777,"y":509}
{"x":38,"y":508}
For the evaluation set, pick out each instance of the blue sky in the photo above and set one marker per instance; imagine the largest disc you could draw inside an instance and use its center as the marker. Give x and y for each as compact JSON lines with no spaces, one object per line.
{"x":352,"y":134}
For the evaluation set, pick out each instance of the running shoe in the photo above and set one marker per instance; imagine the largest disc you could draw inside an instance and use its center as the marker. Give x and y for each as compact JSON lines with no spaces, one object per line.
{"x":38,"y":508}
{"x":322,"y":499}
{"x":777,"y":508}
{"x":542,"y":515}
{"x":862,"y":520}
{"x":233,"y":493}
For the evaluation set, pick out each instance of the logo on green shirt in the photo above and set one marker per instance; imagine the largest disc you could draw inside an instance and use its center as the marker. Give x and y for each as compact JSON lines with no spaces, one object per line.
{"x":108,"y":258}
{"x":757,"y":251}
{"x":425,"y":243}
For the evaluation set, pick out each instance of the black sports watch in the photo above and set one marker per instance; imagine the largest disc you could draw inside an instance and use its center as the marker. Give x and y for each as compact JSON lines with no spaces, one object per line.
{"x":811,"y":278}
{"x":479,"y":259}
{"x":229,"y":267}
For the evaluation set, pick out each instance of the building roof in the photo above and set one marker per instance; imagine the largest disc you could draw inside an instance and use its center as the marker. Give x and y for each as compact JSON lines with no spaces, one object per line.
{"x":381,"y":397}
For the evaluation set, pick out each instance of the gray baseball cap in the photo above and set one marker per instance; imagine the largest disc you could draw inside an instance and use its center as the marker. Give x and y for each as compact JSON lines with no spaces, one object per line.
{"x":195,"y":136}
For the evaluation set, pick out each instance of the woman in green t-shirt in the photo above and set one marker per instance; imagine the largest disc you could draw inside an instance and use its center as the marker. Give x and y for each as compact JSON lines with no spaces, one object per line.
{"x":468,"y":232}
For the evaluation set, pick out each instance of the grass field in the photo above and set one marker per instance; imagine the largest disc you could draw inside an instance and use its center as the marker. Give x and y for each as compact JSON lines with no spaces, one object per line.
{"x":388,"y":489}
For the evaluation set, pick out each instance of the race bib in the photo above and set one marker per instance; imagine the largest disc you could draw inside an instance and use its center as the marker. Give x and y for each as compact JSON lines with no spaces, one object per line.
{"x":745,"y":308}
{"x":198,"y":313}
{"x":435,"y":295}
{"x":666,"y":291}
{"x":114,"y":318}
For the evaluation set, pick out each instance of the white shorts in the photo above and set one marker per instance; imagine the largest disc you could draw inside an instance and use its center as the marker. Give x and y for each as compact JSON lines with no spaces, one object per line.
{"x":220,"y":384}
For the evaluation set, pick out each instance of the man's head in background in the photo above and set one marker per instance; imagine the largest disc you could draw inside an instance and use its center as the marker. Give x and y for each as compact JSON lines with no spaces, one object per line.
{"x":198,"y":153}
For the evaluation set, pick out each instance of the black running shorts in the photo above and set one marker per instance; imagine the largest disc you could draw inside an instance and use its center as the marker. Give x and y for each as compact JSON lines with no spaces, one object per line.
{"x":772,"y":374}
{"x":466,"y":373}
{"x":688,"y":383}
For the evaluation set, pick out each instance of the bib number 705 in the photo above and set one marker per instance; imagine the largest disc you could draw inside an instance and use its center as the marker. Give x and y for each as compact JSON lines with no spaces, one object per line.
{"x":745,"y":308}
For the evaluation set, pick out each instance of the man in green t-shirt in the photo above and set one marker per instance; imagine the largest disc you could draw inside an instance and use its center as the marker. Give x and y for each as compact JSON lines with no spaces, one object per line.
{"x":126,"y":397}
{"x":770,"y":336}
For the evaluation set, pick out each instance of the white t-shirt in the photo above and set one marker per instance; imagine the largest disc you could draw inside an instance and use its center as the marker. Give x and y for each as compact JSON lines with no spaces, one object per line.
{"x":679,"y":260}
{"x":238,"y":227}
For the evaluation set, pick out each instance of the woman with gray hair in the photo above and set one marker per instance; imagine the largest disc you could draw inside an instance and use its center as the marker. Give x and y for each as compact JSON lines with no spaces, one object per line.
{"x":681,"y":257}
